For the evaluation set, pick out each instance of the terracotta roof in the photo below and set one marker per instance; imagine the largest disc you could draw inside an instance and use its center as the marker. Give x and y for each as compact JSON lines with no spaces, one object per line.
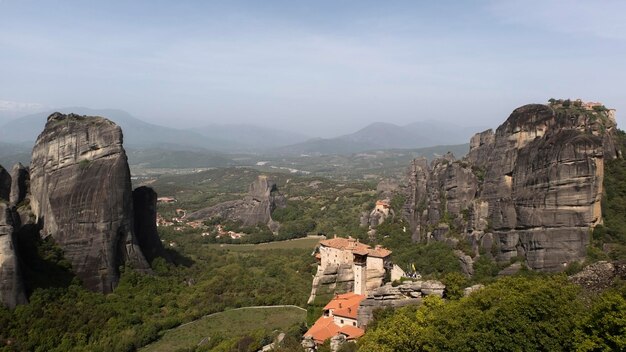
{"x":351,"y":332}
{"x":379,"y":252}
{"x":356,"y":247}
{"x":360,"y":251}
{"x":344,"y":243}
{"x":345,"y":305}
{"x":323,"y":329}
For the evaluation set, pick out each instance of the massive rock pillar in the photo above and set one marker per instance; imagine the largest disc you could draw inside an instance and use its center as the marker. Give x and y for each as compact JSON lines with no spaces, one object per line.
{"x":81,"y":195}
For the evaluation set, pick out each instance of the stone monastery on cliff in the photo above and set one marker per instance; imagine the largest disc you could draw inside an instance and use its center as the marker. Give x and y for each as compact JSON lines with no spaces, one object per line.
{"x":366,"y":265}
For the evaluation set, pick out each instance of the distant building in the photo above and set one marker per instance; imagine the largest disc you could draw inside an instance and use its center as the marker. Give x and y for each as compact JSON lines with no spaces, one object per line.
{"x":369,"y":264}
{"x":166,"y":200}
{"x":339,"y":317}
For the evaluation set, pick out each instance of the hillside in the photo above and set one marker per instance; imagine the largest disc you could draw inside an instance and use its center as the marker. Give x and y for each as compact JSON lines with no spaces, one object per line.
{"x":383,"y":135}
{"x":250,"y":137}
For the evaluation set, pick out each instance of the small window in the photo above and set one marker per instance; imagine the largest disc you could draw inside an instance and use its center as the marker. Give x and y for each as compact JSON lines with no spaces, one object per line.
{"x":341,"y":321}
{"x":353,"y":323}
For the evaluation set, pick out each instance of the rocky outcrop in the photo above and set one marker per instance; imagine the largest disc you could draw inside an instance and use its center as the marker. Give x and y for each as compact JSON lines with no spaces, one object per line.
{"x":19,"y":184}
{"x":5,"y":184}
{"x":333,"y":279}
{"x":81,"y":195}
{"x":532,"y":189}
{"x":407,"y":293}
{"x":256,"y":208}
{"x":11,"y":285}
{"x":599,"y":276}
{"x":145,"y":214}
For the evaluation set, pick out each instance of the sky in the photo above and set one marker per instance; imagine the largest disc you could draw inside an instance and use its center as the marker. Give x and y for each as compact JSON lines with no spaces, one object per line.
{"x":322,"y":68}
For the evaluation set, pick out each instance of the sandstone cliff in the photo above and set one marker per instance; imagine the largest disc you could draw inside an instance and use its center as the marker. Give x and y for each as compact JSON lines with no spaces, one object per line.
{"x":530,"y":190}
{"x":11,"y":285}
{"x":20,"y":179}
{"x":145,"y":208}
{"x":256,"y":208}
{"x":81,"y":195}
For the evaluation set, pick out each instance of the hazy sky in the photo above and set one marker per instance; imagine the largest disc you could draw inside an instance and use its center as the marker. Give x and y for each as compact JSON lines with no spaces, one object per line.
{"x":324,"y":67}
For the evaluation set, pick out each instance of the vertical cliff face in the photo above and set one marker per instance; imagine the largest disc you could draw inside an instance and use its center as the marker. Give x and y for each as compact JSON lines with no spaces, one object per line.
{"x":531,"y":189}
{"x":20,"y":179}
{"x":5,"y":184}
{"x":145,"y":208}
{"x":11,"y":285}
{"x":81,"y":194}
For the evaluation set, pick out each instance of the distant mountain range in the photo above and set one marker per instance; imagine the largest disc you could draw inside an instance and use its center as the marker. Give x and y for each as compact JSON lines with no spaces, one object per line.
{"x":158,"y":145}
{"x":382,"y":135}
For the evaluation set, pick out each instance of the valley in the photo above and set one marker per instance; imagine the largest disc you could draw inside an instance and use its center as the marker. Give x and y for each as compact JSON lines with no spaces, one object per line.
{"x":244,"y":235}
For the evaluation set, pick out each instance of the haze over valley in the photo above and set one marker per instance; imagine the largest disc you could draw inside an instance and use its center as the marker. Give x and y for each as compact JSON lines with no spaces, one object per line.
{"x":255,"y":176}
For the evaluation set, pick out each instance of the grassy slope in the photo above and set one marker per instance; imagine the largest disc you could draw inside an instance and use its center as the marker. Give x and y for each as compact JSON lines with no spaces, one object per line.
{"x":230,"y":323}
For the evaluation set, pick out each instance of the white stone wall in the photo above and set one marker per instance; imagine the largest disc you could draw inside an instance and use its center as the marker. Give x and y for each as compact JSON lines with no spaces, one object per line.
{"x":341,"y":321}
{"x":333,"y":256}
{"x":360,"y":279}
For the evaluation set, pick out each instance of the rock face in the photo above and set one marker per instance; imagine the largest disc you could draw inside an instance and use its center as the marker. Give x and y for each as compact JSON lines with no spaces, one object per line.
{"x":256,"y":208}
{"x":19,"y":184}
{"x":81,"y":194}
{"x":408,"y":293}
{"x":531,"y":189}
{"x":599,"y":276}
{"x":11,"y":285}
{"x":5,"y":184}
{"x":333,"y":279}
{"x":145,"y":208}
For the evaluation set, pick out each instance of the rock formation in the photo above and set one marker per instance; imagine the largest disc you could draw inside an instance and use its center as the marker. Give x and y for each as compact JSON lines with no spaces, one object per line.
{"x":5,"y":184}
{"x":11,"y":285}
{"x":407,"y":293}
{"x":19,"y":184}
{"x":599,"y":276}
{"x":532,"y":189}
{"x":81,"y":194}
{"x":145,"y":208}
{"x":333,"y":279}
{"x":256,"y":208}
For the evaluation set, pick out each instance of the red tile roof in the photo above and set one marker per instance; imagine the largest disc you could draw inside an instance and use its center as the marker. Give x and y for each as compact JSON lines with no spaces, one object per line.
{"x":323,"y":329}
{"x":344,"y":243}
{"x":351,"y":332}
{"x":379,"y":252}
{"x":345,"y":305}
{"x":356,"y":247}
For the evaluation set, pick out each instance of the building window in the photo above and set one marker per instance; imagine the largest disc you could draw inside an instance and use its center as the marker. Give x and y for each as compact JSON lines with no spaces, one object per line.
{"x":353,"y":323}
{"x":341,"y":321}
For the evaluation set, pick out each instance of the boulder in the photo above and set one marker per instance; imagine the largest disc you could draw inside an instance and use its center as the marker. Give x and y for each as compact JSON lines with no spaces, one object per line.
{"x":469,"y":290}
{"x":81,"y":194}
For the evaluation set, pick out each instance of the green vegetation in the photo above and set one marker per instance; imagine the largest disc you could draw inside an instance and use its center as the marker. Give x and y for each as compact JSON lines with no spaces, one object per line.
{"x":525,"y":313}
{"x":611,"y":237}
{"x":83,"y":164}
{"x":66,"y":317}
{"x":433,"y":259}
{"x":315,"y":206}
{"x":223,"y":331}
